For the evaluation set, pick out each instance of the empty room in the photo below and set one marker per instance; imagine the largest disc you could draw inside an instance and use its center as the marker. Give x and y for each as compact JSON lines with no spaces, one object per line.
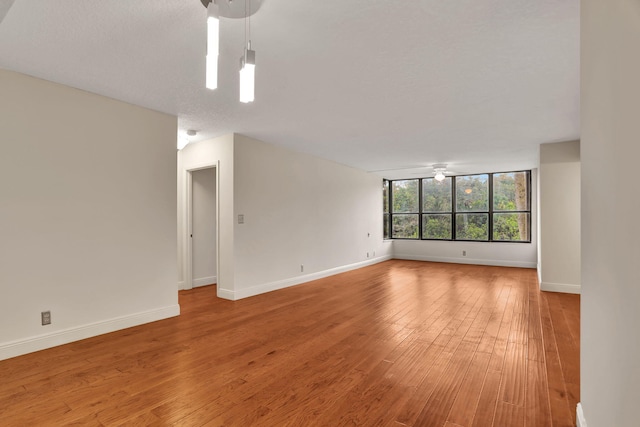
{"x":270,"y":213}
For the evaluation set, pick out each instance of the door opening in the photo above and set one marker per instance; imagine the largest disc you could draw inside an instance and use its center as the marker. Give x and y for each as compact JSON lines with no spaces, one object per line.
{"x":203,"y":228}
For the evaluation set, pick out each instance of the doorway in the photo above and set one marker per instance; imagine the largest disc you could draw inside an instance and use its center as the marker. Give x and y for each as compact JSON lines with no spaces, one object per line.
{"x":203,"y":227}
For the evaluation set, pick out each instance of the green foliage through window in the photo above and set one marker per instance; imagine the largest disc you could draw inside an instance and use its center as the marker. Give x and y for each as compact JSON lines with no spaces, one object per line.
{"x":472,"y":193}
{"x":436,"y":226}
{"x":405,"y":226}
{"x":405,"y":196}
{"x":385,"y":210}
{"x":484,"y":207}
{"x":436,"y":195}
{"x":472,"y":226}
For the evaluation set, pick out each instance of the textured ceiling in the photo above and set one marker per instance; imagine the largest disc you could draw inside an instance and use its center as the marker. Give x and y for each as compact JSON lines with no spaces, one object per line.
{"x":374,"y":84}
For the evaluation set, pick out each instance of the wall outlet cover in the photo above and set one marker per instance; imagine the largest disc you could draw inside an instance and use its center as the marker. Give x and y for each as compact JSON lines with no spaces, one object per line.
{"x":45,"y":316}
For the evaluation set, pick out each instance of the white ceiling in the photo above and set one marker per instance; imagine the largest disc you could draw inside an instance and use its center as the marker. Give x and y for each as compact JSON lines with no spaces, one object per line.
{"x":374,"y":84}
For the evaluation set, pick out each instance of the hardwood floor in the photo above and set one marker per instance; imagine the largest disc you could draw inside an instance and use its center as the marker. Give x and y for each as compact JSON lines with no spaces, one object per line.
{"x":401,"y":343}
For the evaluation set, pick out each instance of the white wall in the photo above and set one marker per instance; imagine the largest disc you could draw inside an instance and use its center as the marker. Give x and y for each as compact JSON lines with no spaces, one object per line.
{"x":204,"y":226}
{"x":483,"y":253}
{"x":480,"y":253}
{"x":301,"y":210}
{"x":298,"y":210}
{"x":560,"y":217}
{"x":87,"y":214}
{"x":610,"y":301}
{"x":538,"y":222}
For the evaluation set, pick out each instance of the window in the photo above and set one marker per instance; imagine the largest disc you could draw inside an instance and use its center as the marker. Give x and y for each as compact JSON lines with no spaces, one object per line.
{"x":385,"y":209}
{"x":492,"y":207}
{"x":472,"y":207}
{"x":511,"y":209}
{"x":436,"y":209}
{"x":404,"y":209}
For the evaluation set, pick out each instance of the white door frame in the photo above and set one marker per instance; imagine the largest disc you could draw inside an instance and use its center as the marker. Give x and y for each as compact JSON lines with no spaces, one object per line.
{"x":187,"y":262}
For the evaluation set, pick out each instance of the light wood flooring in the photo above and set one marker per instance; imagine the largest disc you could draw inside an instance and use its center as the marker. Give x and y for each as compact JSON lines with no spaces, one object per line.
{"x":400,"y":343}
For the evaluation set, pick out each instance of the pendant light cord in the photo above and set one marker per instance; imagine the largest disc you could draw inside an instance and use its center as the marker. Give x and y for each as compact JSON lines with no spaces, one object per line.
{"x":245,"y":24}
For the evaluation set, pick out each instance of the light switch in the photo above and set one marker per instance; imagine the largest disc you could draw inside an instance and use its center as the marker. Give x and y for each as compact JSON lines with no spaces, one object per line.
{"x":240,"y":219}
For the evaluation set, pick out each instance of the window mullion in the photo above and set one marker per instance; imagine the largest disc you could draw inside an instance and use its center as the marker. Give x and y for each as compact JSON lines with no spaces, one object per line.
{"x":391,"y":209}
{"x":490,"y":219}
{"x":453,"y":208}
{"x":420,"y":235}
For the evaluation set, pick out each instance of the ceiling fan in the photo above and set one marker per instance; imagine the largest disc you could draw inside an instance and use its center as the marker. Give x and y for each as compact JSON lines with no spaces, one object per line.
{"x":440,"y":171}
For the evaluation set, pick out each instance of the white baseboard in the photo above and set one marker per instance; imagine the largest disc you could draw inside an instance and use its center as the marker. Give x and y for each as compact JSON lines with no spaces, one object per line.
{"x":580,"y":421}
{"x":204,"y":281}
{"x":281,"y":284}
{"x":560,"y":287}
{"x":53,"y":339}
{"x":225,"y":294}
{"x":465,"y":260}
{"x":539,"y":268}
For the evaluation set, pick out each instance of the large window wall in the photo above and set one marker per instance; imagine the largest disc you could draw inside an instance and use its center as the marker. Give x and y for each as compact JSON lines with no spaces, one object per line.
{"x":491,"y":207}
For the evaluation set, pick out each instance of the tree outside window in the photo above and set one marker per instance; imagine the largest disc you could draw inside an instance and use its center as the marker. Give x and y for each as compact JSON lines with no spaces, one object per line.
{"x":484,"y":207}
{"x":404,"y":209}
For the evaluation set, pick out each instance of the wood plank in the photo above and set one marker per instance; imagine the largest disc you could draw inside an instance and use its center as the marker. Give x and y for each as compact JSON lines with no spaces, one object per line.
{"x":535,"y":350}
{"x":561,"y":411}
{"x":500,"y":347}
{"x":490,"y":335}
{"x":465,"y":405}
{"x":488,"y":401}
{"x":88,"y":421}
{"x":508,"y":414}
{"x":537,"y":407}
{"x":439,"y":404}
{"x":514,"y":375}
{"x":568,"y":348}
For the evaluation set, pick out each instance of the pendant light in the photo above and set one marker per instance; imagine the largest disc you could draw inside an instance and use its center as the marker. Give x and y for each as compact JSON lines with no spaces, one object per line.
{"x":247,"y":64}
{"x":247,"y":75}
{"x":233,"y":10}
{"x":213,"y":43}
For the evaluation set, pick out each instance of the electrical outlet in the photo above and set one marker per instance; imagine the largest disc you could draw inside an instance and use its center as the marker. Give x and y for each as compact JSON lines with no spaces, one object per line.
{"x":45,"y":317}
{"x":464,"y":253}
{"x":367,"y":254}
{"x":241,"y":219}
{"x":374,"y":253}
{"x":301,"y":268}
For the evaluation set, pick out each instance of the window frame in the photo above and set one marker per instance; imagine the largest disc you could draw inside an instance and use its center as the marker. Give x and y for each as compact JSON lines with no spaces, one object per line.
{"x":386,"y":215}
{"x":454,"y":211}
{"x":424,"y":212}
{"x":498,"y":211}
{"x":391,"y":213}
{"x":454,"y":208}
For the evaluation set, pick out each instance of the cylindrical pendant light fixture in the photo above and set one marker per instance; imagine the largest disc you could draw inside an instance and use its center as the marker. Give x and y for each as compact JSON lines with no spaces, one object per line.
{"x":247,"y":75}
